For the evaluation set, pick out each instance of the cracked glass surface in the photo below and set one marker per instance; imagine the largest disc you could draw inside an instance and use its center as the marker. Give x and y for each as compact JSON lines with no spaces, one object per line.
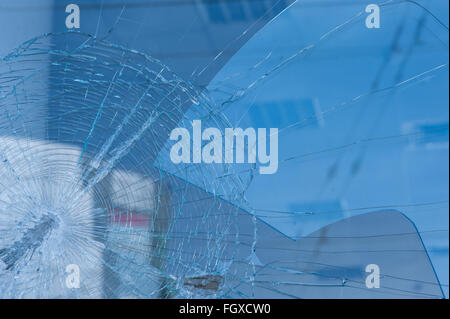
{"x":86,"y":177}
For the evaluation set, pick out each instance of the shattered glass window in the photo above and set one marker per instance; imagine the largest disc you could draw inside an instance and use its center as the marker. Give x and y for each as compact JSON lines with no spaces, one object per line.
{"x":92,"y":204}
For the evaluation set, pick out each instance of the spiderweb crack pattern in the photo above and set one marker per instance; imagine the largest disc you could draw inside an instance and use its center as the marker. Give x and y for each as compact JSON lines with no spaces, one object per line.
{"x":91,"y":192}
